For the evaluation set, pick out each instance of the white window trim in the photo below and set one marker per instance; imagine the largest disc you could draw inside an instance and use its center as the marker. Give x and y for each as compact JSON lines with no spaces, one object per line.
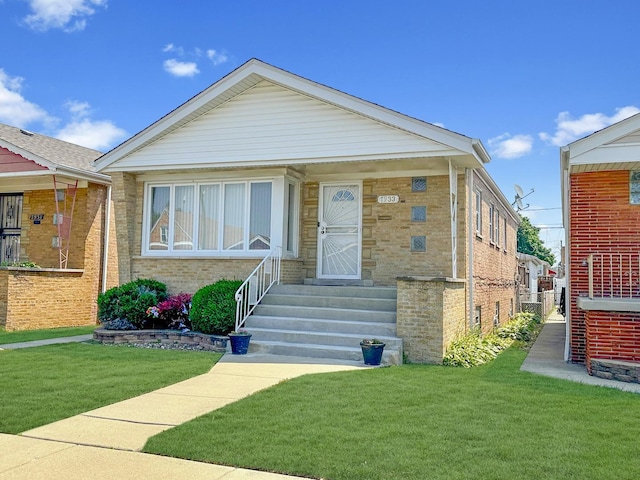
{"x":277,"y":220}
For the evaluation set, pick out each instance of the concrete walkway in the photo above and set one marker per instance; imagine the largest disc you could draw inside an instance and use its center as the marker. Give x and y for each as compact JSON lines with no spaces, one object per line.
{"x":105,"y":443}
{"x":547,"y":358}
{"x":47,"y":341}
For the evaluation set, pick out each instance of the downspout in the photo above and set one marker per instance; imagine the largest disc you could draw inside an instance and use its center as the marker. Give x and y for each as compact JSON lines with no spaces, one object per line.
{"x":469,"y":175}
{"x":105,"y":253}
{"x":564,"y":175}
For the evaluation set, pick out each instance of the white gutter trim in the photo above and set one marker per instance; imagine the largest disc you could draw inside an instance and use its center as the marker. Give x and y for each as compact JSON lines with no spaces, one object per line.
{"x":105,"y":252}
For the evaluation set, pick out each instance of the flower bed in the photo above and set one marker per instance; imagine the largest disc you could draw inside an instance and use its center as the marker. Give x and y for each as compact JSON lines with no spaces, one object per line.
{"x":214,"y":343}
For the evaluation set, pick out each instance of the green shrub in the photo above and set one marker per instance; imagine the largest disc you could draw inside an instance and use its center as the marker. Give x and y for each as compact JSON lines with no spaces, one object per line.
{"x":521,"y":328}
{"x":213,"y":308}
{"x":130,"y":301}
{"x":473,"y":349}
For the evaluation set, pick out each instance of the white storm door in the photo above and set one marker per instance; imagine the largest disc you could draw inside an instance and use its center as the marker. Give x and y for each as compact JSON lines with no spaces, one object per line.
{"x":339,"y":230}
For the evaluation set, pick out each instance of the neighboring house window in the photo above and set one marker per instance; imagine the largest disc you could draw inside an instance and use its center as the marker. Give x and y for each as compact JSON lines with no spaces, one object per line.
{"x":492,"y":210}
{"x":233,"y":216}
{"x":478,"y":212}
{"x":496,"y":317}
{"x":496,"y":225}
{"x":634,"y":187}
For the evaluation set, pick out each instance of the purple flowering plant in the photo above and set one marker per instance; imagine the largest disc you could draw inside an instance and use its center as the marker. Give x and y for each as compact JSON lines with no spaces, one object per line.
{"x":173,"y":312}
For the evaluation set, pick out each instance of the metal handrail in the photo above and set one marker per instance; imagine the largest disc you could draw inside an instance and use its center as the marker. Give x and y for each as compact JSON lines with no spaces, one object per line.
{"x":614,"y":275}
{"x":255,"y":287}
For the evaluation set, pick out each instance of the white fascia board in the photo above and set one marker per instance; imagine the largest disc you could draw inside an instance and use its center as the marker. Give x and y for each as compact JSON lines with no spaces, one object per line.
{"x":616,"y":153}
{"x":306,"y":87}
{"x":604,"y":136}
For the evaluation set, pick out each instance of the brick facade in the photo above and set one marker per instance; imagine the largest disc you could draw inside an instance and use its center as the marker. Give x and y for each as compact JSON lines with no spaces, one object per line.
{"x":601,"y":220}
{"x":50,"y":297}
{"x":494,"y":260}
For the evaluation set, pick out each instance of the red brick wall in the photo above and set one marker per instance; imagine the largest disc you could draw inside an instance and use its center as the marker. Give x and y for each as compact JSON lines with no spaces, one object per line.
{"x":612,"y":336}
{"x":602,"y":220}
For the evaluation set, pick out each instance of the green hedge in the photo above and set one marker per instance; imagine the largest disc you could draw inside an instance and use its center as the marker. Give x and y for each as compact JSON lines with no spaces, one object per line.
{"x":213,"y":308}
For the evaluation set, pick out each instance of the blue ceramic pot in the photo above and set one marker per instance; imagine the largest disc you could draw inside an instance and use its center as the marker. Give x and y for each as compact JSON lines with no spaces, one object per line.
{"x":239,"y":343}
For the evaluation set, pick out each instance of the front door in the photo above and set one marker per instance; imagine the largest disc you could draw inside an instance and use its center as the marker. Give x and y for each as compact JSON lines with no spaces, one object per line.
{"x":10,"y":225}
{"x":339,"y":230}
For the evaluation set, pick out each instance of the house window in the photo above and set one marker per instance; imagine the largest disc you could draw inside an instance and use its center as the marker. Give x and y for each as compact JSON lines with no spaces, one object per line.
{"x":233,"y":216}
{"x":477,"y":317}
{"x":496,"y":225}
{"x":492,"y":237}
{"x":419,"y":214}
{"x":634,"y":187}
{"x":291,"y":225}
{"x":504,"y":224}
{"x":419,"y":243}
{"x":478,"y":212}
{"x":496,"y":316}
{"x":419,"y":184}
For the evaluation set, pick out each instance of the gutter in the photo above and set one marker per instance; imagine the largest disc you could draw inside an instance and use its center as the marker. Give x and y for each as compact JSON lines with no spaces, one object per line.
{"x":564,"y":182}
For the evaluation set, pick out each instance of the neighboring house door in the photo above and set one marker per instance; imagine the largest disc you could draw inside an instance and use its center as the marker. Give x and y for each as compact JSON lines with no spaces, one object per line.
{"x":10,"y":224}
{"x":339,"y":230}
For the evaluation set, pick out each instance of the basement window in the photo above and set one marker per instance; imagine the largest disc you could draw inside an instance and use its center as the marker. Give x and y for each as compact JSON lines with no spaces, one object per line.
{"x":634,"y":187}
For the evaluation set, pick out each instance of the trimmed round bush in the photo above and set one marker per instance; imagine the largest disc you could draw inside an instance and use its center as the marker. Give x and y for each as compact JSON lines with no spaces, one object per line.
{"x":213,"y":308}
{"x":130,"y":301}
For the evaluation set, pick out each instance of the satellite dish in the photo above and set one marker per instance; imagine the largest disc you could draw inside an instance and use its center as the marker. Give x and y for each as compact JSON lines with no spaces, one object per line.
{"x":519,"y":191}
{"x":519,"y":203}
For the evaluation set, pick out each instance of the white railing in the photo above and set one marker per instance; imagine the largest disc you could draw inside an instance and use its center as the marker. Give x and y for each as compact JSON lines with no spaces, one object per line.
{"x":614,"y":275}
{"x":256,"y":286}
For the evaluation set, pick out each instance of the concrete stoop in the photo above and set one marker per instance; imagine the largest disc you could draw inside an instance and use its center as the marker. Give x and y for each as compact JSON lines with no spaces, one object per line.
{"x":325,"y":322}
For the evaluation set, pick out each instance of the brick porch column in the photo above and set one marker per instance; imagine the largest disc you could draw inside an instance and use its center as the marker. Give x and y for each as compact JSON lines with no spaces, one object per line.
{"x":431,"y":311}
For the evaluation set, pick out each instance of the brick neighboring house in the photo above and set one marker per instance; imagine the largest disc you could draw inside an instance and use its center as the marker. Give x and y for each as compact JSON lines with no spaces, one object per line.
{"x":352,"y":193}
{"x":34,"y":170}
{"x":601,"y":211}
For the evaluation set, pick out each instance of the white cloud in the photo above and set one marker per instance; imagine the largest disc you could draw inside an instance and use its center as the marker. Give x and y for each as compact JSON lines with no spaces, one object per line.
{"x":216,"y":57}
{"x":510,"y":146}
{"x":569,"y":129}
{"x":68,"y":15}
{"x":82,"y":130}
{"x":96,"y":134}
{"x":181,"y":69}
{"x":14,"y":108}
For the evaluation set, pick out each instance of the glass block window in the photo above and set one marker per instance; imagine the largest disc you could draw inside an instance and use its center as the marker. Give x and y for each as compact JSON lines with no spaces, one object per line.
{"x":419,"y":184}
{"x":634,"y":188}
{"x":419,"y":243}
{"x":419,"y":214}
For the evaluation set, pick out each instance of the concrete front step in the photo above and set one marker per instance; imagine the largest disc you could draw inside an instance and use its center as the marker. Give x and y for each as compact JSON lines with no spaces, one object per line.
{"x":357,"y":303}
{"x":322,"y":325}
{"x":329,"y":339}
{"x":325,"y":322}
{"x":325,"y":313}
{"x":389,"y":356}
{"x":335,"y":291}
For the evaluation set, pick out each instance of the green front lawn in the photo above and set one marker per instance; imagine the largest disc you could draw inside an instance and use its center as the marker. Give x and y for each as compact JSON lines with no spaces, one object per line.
{"x":31,"y":335}
{"x":44,"y":384}
{"x":422,"y":422}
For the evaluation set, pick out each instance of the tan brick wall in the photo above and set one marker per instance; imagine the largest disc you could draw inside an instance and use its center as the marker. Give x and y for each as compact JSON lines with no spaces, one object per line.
{"x":47,"y":299}
{"x":4,"y":282}
{"x":431,"y":312}
{"x":494,"y":264}
{"x":127,"y":198}
{"x":387,"y":229}
{"x":113,"y":278}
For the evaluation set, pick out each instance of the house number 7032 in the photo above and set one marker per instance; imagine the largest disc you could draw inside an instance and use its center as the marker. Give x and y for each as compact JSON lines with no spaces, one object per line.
{"x":388,"y":199}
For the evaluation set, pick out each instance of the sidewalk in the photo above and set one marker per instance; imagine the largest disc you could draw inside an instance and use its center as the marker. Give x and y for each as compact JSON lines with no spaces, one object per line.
{"x":105,"y":443}
{"x":48,"y":341}
{"x":546,"y":357}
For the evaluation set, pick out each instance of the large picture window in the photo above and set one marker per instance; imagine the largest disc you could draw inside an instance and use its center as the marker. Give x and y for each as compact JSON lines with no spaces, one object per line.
{"x":208,"y":217}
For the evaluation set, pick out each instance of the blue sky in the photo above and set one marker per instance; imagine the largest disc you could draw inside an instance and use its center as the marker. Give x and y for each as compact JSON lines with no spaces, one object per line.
{"x":525,"y":77}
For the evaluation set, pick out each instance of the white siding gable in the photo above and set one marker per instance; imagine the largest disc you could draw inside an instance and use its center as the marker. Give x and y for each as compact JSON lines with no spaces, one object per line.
{"x":270,"y":125}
